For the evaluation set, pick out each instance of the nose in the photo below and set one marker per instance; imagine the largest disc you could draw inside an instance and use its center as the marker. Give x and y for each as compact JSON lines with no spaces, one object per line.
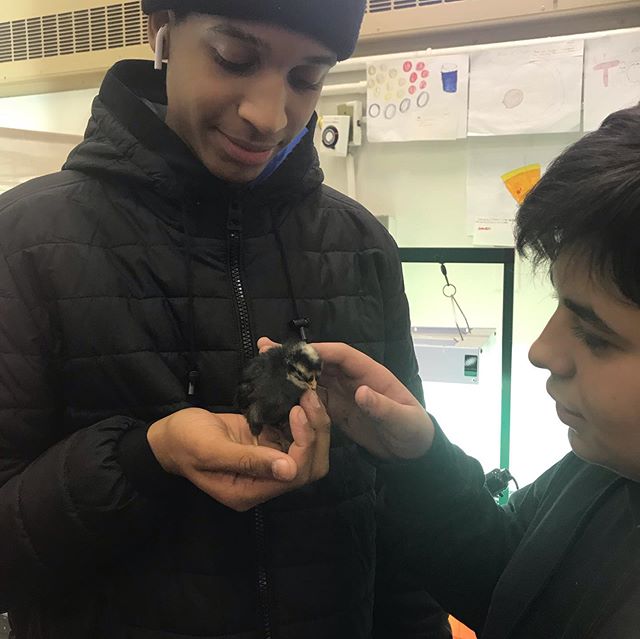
{"x":264,"y":105}
{"x":552,"y":349}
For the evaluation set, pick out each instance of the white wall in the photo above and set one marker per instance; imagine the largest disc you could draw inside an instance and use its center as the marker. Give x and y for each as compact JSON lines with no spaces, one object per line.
{"x":37,"y":132}
{"x":25,"y":155}
{"x":66,"y":112}
{"x":423,"y":186}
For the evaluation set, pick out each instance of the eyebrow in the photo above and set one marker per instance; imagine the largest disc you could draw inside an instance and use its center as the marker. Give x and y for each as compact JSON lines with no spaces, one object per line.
{"x":248,"y":38}
{"x":587,"y":314}
{"x":239,"y":34}
{"x":322,"y":60}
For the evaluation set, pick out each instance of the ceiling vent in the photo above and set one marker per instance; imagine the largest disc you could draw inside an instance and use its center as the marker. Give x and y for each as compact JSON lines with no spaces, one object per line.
{"x":66,"y":44}
{"x":91,"y":29}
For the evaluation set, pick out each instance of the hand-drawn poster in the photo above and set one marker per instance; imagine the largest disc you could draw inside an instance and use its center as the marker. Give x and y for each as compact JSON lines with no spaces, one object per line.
{"x":529,"y":89}
{"x":423,"y":98}
{"x":498,"y":231}
{"x":499,"y":177}
{"x":611,"y":77}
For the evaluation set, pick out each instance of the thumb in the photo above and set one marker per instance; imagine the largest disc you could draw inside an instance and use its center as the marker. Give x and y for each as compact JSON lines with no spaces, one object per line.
{"x":265,"y":344}
{"x":259,"y":462}
{"x":380,"y":407}
{"x":408,"y":429}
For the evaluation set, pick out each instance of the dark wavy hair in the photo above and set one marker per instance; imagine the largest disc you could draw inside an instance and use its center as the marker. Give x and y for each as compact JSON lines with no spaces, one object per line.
{"x":589,"y":201}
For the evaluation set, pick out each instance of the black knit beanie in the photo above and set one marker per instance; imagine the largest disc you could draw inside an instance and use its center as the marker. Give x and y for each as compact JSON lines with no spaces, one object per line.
{"x":334,"y":23}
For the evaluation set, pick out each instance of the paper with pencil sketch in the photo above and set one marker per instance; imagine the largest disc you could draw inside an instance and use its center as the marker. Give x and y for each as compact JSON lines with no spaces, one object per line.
{"x":527,"y":89}
{"x":611,"y":77}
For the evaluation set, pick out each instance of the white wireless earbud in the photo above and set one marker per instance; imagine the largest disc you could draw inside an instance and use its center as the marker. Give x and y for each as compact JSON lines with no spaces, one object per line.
{"x":160,"y":40}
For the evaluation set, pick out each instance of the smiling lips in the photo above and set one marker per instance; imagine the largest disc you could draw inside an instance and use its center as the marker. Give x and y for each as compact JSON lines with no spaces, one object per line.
{"x":567,"y":416}
{"x":562,"y":411}
{"x":560,"y":407}
{"x":246,"y":152}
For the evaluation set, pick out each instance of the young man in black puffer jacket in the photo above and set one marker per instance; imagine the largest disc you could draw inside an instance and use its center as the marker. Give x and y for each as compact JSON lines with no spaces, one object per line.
{"x":133,"y":286}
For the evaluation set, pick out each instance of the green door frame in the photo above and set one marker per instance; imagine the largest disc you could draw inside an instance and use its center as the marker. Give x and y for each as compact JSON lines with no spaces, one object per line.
{"x":506,"y":257}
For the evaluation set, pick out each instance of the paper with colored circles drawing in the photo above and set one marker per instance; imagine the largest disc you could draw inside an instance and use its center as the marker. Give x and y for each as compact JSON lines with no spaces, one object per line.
{"x":424,"y":98}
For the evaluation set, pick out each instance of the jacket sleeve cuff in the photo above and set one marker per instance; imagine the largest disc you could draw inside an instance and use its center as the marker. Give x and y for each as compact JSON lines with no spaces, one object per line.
{"x":442,"y":474}
{"x":143,"y":469}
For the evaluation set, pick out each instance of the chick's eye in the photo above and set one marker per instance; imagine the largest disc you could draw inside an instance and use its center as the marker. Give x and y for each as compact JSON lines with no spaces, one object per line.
{"x":303,"y":376}
{"x":294,"y":370}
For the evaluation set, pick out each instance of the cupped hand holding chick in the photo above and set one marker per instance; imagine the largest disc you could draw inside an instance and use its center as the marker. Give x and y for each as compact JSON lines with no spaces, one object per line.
{"x":215,"y":453}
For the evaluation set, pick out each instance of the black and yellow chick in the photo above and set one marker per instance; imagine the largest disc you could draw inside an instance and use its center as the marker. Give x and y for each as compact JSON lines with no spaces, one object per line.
{"x":273,"y":383}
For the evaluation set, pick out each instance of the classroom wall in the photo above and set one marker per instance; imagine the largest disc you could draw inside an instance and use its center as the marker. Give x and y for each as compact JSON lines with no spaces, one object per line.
{"x":422,"y":185}
{"x":26,"y":155}
{"x":66,"y":112}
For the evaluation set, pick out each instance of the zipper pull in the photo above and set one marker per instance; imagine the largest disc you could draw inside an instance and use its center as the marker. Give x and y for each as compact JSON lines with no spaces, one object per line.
{"x":193,"y":378}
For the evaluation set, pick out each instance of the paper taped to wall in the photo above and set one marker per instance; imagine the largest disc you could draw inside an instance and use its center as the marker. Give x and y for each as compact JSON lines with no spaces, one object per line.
{"x":424,"y":98}
{"x":500,"y":176}
{"x":528,"y":89}
{"x":611,"y":77}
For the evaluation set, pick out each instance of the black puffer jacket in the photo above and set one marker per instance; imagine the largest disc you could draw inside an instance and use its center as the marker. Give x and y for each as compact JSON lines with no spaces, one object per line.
{"x":120,"y":276}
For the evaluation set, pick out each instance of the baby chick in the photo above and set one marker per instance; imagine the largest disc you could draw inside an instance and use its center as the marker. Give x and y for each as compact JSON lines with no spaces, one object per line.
{"x":273,"y":383}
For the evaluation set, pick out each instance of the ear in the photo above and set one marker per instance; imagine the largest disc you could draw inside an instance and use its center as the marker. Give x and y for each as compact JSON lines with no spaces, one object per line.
{"x":158,"y":20}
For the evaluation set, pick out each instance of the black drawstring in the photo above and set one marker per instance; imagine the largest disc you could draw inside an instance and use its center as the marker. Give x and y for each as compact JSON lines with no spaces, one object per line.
{"x":299,"y":324}
{"x":193,"y":375}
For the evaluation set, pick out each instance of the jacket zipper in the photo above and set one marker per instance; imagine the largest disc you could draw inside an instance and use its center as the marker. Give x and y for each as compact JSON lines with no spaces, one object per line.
{"x":234,"y":230}
{"x":263,"y":579}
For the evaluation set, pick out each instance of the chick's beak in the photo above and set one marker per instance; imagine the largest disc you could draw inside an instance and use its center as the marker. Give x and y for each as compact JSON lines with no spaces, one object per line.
{"x":313,"y":384}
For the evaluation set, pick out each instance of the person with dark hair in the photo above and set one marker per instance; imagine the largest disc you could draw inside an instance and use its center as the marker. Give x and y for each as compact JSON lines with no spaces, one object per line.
{"x":562,"y":558}
{"x":133,"y":285}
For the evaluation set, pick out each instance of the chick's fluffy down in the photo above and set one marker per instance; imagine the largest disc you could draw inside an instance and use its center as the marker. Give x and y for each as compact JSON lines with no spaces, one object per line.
{"x":273,"y":383}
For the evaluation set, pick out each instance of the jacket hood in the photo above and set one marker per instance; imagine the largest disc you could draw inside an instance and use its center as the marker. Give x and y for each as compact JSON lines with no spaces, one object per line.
{"x":127,"y":141}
